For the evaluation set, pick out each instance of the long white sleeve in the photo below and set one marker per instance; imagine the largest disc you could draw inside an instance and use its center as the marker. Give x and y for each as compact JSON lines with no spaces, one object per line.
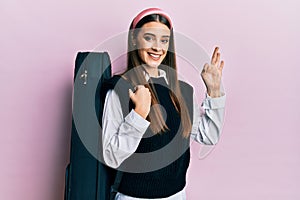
{"x":120,"y":136}
{"x":206,"y":127}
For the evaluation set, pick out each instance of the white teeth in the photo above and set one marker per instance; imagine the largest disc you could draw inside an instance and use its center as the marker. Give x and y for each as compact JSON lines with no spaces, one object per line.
{"x":155,"y":56}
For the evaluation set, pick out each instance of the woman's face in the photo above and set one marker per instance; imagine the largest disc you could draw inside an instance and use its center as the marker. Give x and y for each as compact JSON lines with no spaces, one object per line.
{"x":152,"y":43}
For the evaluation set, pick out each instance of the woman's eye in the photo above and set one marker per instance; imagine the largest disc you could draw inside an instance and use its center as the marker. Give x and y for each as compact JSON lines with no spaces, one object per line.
{"x":148,"y":38}
{"x":165,"y":41}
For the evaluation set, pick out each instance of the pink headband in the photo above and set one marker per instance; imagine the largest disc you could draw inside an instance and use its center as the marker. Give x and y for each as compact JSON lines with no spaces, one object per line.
{"x":150,"y":11}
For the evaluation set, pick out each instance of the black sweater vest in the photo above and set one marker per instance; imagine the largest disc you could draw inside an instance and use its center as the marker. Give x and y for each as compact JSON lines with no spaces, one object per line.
{"x":169,"y":150}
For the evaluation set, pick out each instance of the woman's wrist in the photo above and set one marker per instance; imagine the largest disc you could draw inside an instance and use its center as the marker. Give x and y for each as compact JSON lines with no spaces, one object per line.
{"x":141,"y":111}
{"x":214,"y":94}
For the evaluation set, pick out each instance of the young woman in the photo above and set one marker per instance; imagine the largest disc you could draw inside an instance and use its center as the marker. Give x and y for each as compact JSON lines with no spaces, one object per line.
{"x":162,"y":115}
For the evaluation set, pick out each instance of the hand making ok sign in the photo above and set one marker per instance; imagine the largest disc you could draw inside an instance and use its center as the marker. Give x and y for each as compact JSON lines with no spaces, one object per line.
{"x":212,"y":74}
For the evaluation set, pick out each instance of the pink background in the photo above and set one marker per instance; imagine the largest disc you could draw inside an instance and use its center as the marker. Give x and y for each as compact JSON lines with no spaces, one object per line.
{"x":258,"y":155}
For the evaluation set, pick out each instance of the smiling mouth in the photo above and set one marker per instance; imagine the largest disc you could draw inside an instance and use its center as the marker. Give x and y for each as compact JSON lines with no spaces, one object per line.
{"x":154,"y":56}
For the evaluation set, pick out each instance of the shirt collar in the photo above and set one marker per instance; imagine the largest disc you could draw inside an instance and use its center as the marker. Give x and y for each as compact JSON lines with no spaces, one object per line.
{"x":161,"y":73}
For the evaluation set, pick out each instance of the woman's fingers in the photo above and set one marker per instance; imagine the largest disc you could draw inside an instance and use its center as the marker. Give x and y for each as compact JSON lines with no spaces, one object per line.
{"x":212,"y":73}
{"x":218,"y":59}
{"x":214,"y":56}
{"x":141,"y":97}
{"x":130,"y":93}
{"x":139,"y":90}
{"x":205,"y":67}
{"x":216,"y":62}
{"x":138,"y":87}
{"x":222,"y":65}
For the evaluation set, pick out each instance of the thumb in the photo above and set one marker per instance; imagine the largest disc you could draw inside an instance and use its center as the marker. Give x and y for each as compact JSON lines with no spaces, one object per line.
{"x":131,"y":94}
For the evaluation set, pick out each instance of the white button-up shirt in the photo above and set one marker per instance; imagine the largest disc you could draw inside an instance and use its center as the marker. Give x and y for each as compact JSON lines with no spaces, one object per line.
{"x":121,"y":135}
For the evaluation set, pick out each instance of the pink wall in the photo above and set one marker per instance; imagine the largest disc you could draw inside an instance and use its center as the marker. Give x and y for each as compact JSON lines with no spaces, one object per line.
{"x":258,"y":155}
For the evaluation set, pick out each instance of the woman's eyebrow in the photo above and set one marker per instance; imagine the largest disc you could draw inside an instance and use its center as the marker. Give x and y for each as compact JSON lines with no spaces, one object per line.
{"x":155,"y":35}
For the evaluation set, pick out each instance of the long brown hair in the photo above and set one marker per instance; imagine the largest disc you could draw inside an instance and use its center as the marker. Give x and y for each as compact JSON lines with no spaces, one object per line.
{"x":136,"y":76}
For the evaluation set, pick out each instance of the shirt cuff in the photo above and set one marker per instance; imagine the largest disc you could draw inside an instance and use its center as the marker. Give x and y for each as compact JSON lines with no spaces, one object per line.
{"x":137,"y":121}
{"x":214,"y":103}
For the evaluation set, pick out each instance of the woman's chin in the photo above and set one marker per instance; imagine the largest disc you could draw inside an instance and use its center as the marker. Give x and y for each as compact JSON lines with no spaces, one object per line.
{"x":153,"y":64}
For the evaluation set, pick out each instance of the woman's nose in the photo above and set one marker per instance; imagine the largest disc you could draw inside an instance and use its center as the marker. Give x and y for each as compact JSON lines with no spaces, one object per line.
{"x":156,"y":46}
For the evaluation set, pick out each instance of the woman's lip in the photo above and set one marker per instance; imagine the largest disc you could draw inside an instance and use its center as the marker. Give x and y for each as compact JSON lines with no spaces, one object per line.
{"x":154,"y":55}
